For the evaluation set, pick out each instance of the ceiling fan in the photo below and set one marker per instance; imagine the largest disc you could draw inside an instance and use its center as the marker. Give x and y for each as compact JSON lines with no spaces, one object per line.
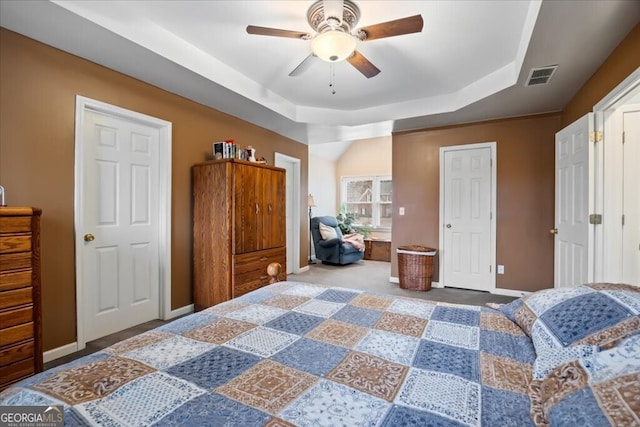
{"x":335,"y":39}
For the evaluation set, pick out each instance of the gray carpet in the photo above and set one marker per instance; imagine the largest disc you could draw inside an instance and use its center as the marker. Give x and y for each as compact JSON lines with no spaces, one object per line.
{"x":374,"y":276}
{"x":367,"y":275}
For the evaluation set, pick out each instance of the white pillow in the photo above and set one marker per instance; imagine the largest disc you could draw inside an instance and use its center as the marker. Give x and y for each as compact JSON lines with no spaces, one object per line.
{"x":327,"y":232}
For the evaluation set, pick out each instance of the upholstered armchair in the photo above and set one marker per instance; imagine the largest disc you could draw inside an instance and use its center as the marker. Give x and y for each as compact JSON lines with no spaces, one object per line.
{"x":332,"y":250}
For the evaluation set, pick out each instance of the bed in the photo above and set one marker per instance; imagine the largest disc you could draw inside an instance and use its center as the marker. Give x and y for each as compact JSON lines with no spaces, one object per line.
{"x":302,"y":354}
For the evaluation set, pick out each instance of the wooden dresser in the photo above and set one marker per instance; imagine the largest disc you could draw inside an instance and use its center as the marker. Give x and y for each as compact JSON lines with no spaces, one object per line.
{"x":239,"y":228}
{"x":20,"y":315}
{"x":377,"y":250}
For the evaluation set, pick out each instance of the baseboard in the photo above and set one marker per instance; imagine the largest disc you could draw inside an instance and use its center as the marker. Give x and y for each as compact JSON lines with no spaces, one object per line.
{"x":187,"y":309}
{"x":510,"y":292}
{"x":67,"y":349}
{"x":59,"y":352}
{"x":497,"y":291}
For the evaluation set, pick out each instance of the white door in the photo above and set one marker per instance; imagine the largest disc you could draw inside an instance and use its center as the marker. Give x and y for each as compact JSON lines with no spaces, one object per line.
{"x":466,"y":217}
{"x":574,"y":192}
{"x":120,"y":221}
{"x":631,"y":195}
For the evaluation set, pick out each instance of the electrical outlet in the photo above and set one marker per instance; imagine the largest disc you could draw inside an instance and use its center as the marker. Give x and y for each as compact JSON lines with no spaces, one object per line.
{"x":401,"y":211}
{"x":501,"y":269}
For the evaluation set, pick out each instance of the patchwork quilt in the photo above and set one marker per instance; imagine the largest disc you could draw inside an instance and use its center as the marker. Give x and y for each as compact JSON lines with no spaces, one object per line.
{"x":296,"y":354}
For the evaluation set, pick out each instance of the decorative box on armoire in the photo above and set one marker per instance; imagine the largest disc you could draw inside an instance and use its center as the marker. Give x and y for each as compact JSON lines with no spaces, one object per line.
{"x":239,"y":228}
{"x":20,"y":315}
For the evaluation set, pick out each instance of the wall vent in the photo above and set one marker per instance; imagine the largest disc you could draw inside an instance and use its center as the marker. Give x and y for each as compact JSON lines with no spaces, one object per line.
{"x":540,"y":76}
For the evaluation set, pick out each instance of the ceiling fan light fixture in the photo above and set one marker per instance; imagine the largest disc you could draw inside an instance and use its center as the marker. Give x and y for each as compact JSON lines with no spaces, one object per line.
{"x":333,"y":45}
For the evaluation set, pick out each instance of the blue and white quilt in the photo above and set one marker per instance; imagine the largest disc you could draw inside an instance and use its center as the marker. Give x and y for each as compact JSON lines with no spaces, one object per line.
{"x":296,"y":354}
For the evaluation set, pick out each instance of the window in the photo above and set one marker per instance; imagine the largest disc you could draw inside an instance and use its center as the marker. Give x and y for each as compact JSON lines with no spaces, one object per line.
{"x":369,"y":198}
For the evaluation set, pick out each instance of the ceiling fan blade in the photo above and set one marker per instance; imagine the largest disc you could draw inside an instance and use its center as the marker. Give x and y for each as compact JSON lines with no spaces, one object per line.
{"x":275,"y":32}
{"x":411,"y":24}
{"x":303,"y":66}
{"x":333,"y":9}
{"x":363,"y":65}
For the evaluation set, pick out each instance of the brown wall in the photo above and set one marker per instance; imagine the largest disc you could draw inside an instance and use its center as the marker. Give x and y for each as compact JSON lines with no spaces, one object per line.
{"x":622,"y":61}
{"x":37,"y":107}
{"x":525,"y":193}
{"x":525,"y":173}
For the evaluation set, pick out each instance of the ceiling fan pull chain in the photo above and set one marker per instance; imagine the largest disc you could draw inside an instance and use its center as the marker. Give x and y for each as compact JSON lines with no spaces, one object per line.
{"x":332,"y":76}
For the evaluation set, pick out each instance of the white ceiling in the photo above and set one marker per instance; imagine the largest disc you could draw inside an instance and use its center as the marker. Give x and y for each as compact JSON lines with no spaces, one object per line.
{"x":469,"y":63}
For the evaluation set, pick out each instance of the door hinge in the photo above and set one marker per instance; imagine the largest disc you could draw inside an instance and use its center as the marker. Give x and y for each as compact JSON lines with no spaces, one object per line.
{"x":623,"y":220}
{"x":595,"y":136}
{"x":595,"y":219}
{"x":489,"y":268}
{"x":623,"y":137}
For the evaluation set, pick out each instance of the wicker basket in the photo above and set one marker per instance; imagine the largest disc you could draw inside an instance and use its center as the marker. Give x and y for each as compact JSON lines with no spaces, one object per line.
{"x":415,"y":267}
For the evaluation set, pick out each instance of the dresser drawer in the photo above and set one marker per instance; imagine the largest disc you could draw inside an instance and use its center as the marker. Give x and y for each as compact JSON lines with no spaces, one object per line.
{"x":20,"y":308}
{"x":16,"y":352}
{"x":15,"y":261}
{"x":16,"y":243}
{"x":14,"y":317}
{"x":16,"y":371}
{"x":15,"y":297}
{"x":15,"y":279}
{"x":15,"y":334}
{"x":15,"y":224}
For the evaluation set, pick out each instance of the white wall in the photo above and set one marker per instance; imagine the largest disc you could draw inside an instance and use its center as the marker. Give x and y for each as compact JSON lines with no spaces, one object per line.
{"x":322,"y":184}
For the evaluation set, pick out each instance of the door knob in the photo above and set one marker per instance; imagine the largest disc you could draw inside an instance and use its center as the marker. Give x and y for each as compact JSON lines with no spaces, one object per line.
{"x":553,"y":231}
{"x":89,"y":237}
{"x":448,"y":225}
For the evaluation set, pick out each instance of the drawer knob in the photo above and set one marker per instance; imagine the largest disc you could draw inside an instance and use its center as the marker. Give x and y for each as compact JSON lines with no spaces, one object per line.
{"x":89,"y":237}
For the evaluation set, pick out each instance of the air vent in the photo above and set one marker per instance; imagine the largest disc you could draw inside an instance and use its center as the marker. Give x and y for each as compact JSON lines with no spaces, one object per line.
{"x":540,"y":76}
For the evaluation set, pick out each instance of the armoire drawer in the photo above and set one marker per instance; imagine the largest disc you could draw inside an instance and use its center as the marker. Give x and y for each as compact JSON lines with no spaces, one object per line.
{"x":258,"y":260}
{"x":250,"y":269}
{"x":249,"y":282}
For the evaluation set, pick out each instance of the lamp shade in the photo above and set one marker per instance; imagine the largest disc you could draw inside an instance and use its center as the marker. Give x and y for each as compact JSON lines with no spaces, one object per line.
{"x":310,"y":202}
{"x":333,"y":45}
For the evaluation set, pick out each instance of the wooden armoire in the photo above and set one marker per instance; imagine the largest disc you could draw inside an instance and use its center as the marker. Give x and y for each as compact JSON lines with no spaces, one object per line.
{"x":239,"y":228}
{"x":20,"y":307}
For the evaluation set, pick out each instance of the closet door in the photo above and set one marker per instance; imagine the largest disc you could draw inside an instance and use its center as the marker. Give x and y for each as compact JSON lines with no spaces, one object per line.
{"x":573,"y":253}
